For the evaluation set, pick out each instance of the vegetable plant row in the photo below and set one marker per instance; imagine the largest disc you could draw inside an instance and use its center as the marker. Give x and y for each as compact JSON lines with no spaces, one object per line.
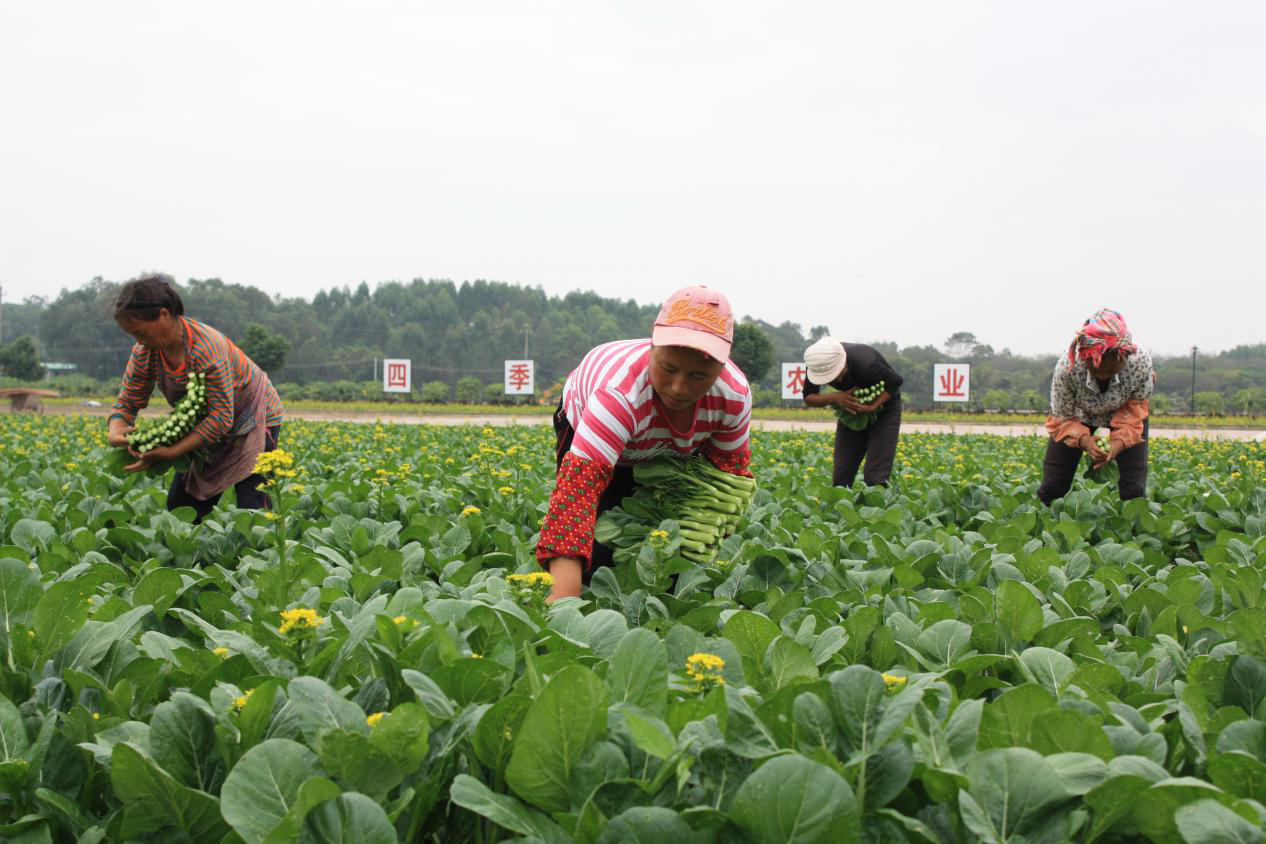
{"x":944,"y":660}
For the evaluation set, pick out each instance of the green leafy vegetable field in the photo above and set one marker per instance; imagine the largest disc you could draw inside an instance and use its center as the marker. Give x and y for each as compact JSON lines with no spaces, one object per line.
{"x":373,"y":661}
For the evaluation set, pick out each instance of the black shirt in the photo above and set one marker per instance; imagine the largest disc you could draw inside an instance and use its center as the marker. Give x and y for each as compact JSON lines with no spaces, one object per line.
{"x":865,"y":367}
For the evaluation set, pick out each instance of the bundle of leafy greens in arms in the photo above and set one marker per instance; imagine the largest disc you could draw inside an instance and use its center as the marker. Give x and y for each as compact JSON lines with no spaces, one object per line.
{"x":706,"y":503}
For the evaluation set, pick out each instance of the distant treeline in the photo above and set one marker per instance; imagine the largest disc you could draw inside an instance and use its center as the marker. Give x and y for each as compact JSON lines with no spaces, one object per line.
{"x":326,"y":347}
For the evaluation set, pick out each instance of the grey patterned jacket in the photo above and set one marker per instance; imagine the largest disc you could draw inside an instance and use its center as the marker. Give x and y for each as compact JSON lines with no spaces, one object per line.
{"x":1075,"y":394}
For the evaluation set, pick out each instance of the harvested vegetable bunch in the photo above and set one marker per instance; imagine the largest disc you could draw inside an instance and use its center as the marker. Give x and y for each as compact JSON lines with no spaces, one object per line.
{"x":1108,"y":473}
{"x":706,"y":503}
{"x":861,"y":421}
{"x":187,"y":413}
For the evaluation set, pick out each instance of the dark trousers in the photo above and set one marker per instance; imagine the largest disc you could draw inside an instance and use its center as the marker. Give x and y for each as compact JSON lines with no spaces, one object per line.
{"x":878,"y":444}
{"x":249,"y":496}
{"x":1059,"y":467}
{"x":622,"y":484}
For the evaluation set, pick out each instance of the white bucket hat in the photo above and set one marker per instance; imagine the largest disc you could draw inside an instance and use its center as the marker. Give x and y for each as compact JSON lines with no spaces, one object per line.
{"x":825,"y":360}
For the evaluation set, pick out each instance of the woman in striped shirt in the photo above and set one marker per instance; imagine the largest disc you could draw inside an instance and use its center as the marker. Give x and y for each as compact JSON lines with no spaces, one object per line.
{"x":632,"y":400}
{"x":244,"y":413}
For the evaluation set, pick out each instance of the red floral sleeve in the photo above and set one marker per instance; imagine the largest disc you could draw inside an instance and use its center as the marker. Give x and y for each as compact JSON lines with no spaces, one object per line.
{"x":573,"y":508}
{"x":737,"y":462}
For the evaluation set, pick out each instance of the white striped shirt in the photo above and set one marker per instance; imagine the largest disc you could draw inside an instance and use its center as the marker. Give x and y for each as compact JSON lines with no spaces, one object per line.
{"x":609,"y":402}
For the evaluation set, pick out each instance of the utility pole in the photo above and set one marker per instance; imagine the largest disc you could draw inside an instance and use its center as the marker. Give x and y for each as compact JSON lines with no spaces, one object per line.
{"x":527,"y":331}
{"x":1194,"y":349}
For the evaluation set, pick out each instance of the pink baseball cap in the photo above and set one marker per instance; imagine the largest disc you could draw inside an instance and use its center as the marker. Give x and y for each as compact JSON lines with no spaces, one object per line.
{"x":697,"y":318}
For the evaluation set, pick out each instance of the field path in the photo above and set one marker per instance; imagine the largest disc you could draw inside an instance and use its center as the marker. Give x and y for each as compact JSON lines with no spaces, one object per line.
{"x":498,"y":420}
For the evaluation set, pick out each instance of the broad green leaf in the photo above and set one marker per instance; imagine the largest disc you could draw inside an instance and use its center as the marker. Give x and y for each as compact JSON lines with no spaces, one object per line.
{"x":497,"y":730}
{"x":1014,"y":792}
{"x":792,"y":800}
{"x":20,"y":590}
{"x":1018,"y":611}
{"x":1154,"y":810}
{"x":569,"y":715}
{"x":348,"y":819}
{"x":311,"y":794}
{"x":637,"y":673}
{"x":182,"y":741}
{"x":355,"y":762}
{"x":648,"y":825}
{"x":1008,"y":721}
{"x":264,"y":785}
{"x":154,"y":802}
{"x":1048,"y":668}
{"x":403,"y":735}
{"x":59,"y":613}
{"x":649,"y":733}
{"x":318,"y":707}
{"x":945,"y":641}
{"x":1209,"y":822}
{"x":505,"y":811}
{"x":790,"y":662}
{"x":751,"y":634}
{"x":13,"y":740}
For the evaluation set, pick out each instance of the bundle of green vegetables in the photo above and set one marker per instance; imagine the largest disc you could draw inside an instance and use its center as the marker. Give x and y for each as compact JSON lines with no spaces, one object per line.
{"x":706,"y":503}
{"x":173,"y":427}
{"x":1108,"y":473}
{"x":861,"y":421}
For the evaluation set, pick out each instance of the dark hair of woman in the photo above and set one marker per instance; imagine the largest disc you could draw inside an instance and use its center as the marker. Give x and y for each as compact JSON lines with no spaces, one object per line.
{"x":143,"y":298}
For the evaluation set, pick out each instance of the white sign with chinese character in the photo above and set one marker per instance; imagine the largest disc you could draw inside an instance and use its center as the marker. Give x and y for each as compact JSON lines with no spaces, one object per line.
{"x":951,"y":381}
{"x":520,"y":378}
{"x":397,"y":375}
{"x":793,"y":375}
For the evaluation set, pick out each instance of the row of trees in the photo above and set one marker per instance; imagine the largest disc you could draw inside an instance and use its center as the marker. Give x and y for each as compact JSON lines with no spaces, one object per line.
{"x":454,"y":332}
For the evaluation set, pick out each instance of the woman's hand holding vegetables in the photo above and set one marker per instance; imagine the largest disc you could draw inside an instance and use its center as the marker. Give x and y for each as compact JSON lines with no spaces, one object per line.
{"x":846,"y":400}
{"x":567,"y":573}
{"x":1114,"y":448}
{"x":117,"y":438}
{"x":144,"y":461}
{"x":1091,"y":447}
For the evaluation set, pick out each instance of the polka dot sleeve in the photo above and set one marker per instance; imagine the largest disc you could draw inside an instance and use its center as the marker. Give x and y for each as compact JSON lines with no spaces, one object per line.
{"x":737,"y":462}
{"x":573,"y":508}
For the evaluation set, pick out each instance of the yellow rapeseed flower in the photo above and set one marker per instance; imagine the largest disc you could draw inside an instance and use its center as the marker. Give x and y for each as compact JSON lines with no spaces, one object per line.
{"x":302,"y":618}
{"x":220,"y":652}
{"x":471,"y":510}
{"x":705,"y":670}
{"x":536,"y":578}
{"x":239,"y":702}
{"x":505,"y":490}
{"x":894,"y":681}
{"x":373,"y":720}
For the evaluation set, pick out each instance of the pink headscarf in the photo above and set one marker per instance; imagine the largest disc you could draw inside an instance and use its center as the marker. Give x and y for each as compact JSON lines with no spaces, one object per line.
{"x":1103,"y":332}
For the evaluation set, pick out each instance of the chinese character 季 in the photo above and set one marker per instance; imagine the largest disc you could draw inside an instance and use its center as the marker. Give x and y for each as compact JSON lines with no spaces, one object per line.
{"x":519,"y":376}
{"x":397,"y":375}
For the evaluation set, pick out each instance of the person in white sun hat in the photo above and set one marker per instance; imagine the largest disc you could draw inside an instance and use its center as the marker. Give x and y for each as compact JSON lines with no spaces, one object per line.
{"x":854,"y":368}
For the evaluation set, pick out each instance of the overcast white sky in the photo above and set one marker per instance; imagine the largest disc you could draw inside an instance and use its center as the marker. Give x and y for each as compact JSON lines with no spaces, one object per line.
{"x":893,"y":170}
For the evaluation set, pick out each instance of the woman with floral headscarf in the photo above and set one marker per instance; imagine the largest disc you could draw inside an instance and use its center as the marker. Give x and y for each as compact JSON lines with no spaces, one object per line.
{"x":1104,"y":381}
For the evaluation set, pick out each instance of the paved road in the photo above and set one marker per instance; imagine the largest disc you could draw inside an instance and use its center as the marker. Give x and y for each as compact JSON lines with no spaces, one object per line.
{"x":758,"y":424}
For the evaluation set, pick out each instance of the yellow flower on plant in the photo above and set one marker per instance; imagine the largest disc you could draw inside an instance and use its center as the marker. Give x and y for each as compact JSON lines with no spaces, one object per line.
{"x":373,"y":720}
{"x":239,"y":702}
{"x":705,"y":670}
{"x":505,"y":490}
{"x":471,"y":510}
{"x":274,"y":462}
{"x":536,"y":578}
{"x":894,"y":681}
{"x":474,"y":655}
{"x":96,"y":716}
{"x":659,"y":536}
{"x":302,"y":618}
{"x":220,"y":652}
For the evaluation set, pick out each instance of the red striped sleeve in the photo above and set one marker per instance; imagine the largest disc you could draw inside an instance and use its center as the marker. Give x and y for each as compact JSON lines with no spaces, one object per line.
{"x":138,"y":384}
